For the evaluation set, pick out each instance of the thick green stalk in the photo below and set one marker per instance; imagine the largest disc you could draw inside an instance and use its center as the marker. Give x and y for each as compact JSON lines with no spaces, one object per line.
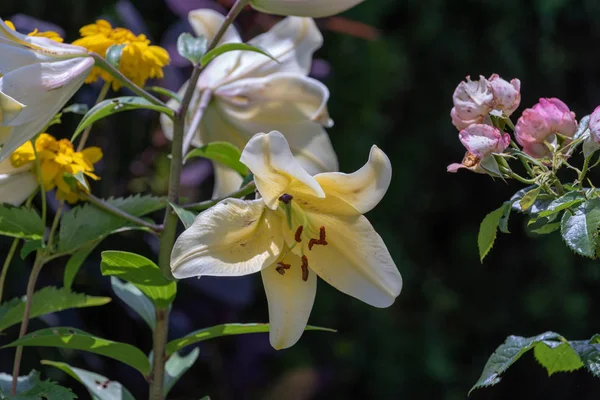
{"x":167,"y":239}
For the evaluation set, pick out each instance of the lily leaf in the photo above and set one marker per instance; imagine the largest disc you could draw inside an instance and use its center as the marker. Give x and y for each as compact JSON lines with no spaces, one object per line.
{"x":227,"y":47}
{"x":221,"y":152}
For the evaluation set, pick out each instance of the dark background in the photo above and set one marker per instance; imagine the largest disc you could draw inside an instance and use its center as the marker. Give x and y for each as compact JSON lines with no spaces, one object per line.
{"x":394,"y":90}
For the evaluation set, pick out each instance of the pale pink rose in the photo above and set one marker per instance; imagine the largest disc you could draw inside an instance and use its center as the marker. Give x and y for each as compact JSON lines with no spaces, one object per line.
{"x":540,"y":123}
{"x":507,"y":95}
{"x":594,"y":125}
{"x":481,"y":141}
{"x":473,"y":100}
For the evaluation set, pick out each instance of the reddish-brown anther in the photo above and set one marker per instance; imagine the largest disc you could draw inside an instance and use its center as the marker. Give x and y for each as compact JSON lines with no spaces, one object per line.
{"x":322,"y":239}
{"x":281,"y":267}
{"x":298,"y":235}
{"x":304,"y":268}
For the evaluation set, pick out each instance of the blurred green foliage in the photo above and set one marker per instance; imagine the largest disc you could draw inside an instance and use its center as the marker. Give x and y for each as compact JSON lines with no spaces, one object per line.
{"x":396,"y":92}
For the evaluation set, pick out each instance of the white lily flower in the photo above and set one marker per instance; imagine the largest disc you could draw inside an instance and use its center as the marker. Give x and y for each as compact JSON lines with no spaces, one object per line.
{"x":301,"y":227}
{"x":252,"y":93}
{"x":304,"y":8}
{"x":37,"y":77}
{"x":16,"y":184}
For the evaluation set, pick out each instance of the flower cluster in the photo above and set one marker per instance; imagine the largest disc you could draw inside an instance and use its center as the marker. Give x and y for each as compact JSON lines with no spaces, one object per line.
{"x":139,"y":62}
{"x":56,"y":158}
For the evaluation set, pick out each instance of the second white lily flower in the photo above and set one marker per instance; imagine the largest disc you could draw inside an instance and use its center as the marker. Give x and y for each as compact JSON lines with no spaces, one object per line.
{"x":252,"y":93}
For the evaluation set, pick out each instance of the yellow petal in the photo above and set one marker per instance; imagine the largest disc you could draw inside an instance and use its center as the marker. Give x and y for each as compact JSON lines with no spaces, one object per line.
{"x":92,"y":154}
{"x":233,"y":238}
{"x":356,"y":260}
{"x":362,"y":189}
{"x":290,"y":301}
{"x":269,"y":158}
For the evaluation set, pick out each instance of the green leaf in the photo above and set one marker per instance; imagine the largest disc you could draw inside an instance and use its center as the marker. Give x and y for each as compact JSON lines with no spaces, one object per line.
{"x":86,"y":224}
{"x":165,"y":92}
{"x":187,"y":217}
{"x":75,"y":181}
{"x":143,"y":273}
{"x":75,"y":262}
{"x":579,"y":228}
{"x":222,"y":152}
{"x":569,"y":200}
{"x":24,"y":383}
{"x":192,"y":48}
{"x":488,"y":230}
{"x":30,"y":246}
{"x":227,"y":47}
{"x":134,"y":298}
{"x":503,"y":223}
{"x":507,"y":354}
{"x":224,"y":330}
{"x":99,"y":387}
{"x":21,"y":222}
{"x":76,"y":108}
{"x":539,"y":205}
{"x":176,"y":366}
{"x":75,"y":339}
{"x":589,"y":354}
{"x":557,"y":357}
{"x":48,"y":300}
{"x":116,"y":105}
{"x":547,"y":228}
{"x":46,"y":390}
{"x":529,"y":198}
{"x":114,"y":53}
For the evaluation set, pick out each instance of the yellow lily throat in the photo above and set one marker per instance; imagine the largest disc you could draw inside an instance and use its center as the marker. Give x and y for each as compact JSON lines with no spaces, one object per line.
{"x":300,"y":233}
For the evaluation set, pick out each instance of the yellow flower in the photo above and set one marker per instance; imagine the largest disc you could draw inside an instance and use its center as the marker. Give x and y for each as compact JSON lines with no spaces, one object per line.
{"x":139,"y":61}
{"x":56,"y":158}
{"x":48,"y":34}
{"x":302,"y":227}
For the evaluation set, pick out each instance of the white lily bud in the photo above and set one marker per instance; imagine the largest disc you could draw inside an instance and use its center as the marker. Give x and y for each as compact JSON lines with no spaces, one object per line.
{"x":37,"y":77}
{"x":304,"y":8}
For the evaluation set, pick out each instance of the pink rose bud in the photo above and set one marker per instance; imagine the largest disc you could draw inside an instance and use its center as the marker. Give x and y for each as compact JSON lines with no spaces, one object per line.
{"x":594,"y":125}
{"x":540,"y":124}
{"x":481,"y":141}
{"x":507,"y":95}
{"x":473,"y":100}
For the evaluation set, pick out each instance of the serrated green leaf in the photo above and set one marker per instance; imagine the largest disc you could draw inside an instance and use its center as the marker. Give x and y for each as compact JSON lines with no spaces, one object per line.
{"x":224,"y":330}
{"x":115,"y":105}
{"x":556,"y":357}
{"x":579,"y":228}
{"x":75,"y":262}
{"x":99,"y":387}
{"x":86,"y":224}
{"x":222,"y":152}
{"x":503,"y":223}
{"x":176,"y":366}
{"x":507,"y":354}
{"x":227,"y":47}
{"x":488,"y":231}
{"x":76,"y":339}
{"x":141,"y":272}
{"x":569,"y":200}
{"x":114,"y":53}
{"x":24,"y":383}
{"x":547,"y":228}
{"x":46,"y":390}
{"x":21,"y":222}
{"x":48,"y":300}
{"x":191,"y":48}
{"x":589,"y":353}
{"x":134,"y":298}
{"x":186,"y":217}
{"x":529,"y":198}
{"x":30,"y":246}
{"x":539,"y":205}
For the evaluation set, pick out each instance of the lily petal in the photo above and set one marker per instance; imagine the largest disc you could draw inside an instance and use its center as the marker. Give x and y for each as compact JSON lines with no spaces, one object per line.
{"x":280,"y":96}
{"x":206,"y":22}
{"x":364,"y":188}
{"x":227,"y":181}
{"x":290,"y":301}
{"x":269,"y":158}
{"x":16,"y":188}
{"x":292,"y":42}
{"x":233,"y":238}
{"x":5,"y":132}
{"x":9,"y":108}
{"x":304,"y":8}
{"x":355,"y":260}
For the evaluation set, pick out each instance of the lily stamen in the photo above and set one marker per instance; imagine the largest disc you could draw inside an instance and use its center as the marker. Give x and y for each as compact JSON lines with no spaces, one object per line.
{"x":298,"y":236}
{"x":281,"y":268}
{"x":304,"y":267}
{"x":322,"y":239}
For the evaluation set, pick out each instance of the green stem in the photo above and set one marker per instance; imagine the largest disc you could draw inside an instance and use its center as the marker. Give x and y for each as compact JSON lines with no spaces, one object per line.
{"x":167,"y":238}
{"x":101,"y":204}
{"x":55,"y":224}
{"x":518,"y":177}
{"x":35,"y":272}
{"x":159,"y":344}
{"x":9,"y":256}
{"x":203,"y":205}
{"x":105,"y":65}
{"x":86,"y":132}
{"x":584,"y":171}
